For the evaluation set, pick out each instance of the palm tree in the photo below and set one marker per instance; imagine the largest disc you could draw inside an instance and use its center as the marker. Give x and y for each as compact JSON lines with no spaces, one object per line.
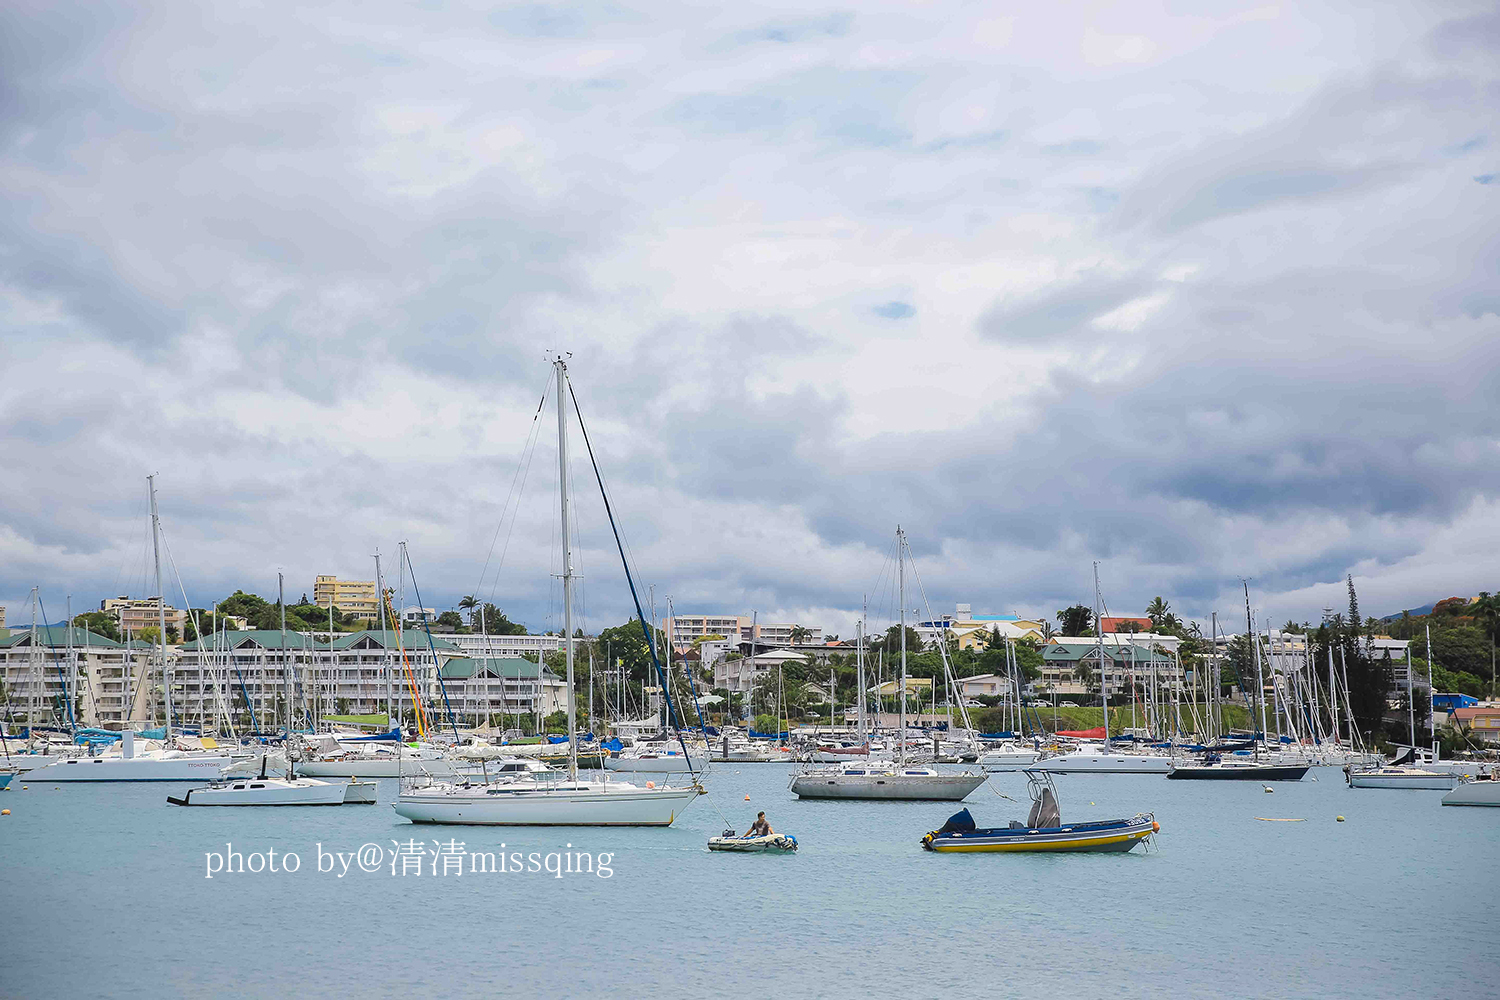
{"x":800,"y":634}
{"x":1047,"y":631}
{"x":468,"y":604}
{"x":1158,"y":611}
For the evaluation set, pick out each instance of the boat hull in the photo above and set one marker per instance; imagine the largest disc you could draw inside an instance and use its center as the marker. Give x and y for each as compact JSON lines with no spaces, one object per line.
{"x":1474,"y":793}
{"x":585,"y":806}
{"x":375,"y":768}
{"x":654,"y":765}
{"x":1248,"y":772}
{"x":264,"y":793}
{"x":1431,"y":781}
{"x":1109,"y":836}
{"x":906,"y":788}
{"x":1004,"y":761}
{"x":1105,"y":763}
{"x":87,"y":769}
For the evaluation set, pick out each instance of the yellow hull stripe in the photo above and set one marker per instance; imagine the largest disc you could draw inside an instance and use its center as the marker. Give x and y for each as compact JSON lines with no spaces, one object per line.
{"x":1051,"y":845}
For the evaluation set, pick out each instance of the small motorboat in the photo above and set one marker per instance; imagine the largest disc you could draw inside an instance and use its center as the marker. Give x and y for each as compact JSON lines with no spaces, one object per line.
{"x":1483,"y":790}
{"x":778,"y":843}
{"x":1043,"y":829}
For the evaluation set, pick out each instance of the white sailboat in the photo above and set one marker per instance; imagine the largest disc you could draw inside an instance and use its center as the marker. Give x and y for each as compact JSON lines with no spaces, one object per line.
{"x":166,"y":764}
{"x":876,"y":780}
{"x":1092,"y":758}
{"x":545,"y":798}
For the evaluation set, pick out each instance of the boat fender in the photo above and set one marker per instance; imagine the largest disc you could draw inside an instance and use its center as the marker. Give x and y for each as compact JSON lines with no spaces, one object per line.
{"x":1155,"y":826}
{"x":650,"y":784}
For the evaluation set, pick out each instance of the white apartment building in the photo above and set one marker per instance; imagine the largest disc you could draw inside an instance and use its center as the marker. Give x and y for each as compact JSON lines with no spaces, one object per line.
{"x":353,"y":597}
{"x":478,"y":645}
{"x":73,"y":677}
{"x":681,"y":630}
{"x":742,"y":675}
{"x":481,"y":688}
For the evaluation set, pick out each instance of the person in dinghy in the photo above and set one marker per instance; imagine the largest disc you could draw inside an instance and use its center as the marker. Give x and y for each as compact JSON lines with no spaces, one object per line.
{"x":760,"y":837}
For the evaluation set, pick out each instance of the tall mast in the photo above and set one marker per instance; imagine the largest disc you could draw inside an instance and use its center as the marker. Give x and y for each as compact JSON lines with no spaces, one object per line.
{"x":286,"y":674}
{"x":901,"y":572}
{"x":567,"y":557}
{"x":1099,"y":634}
{"x":161,"y":610}
{"x":1431,"y":697}
{"x":859,"y":664}
{"x":1260,"y":687}
{"x":1411,"y":707}
{"x":391,"y":714}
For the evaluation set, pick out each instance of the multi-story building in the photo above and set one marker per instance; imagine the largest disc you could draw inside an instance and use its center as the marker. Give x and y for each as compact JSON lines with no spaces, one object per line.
{"x":481,"y":688}
{"x":353,"y":597}
{"x":475,"y":644}
{"x":740,"y":675}
{"x":136,"y":613}
{"x":971,"y":630}
{"x":1127,"y":664}
{"x":73,"y":677}
{"x":2,"y":618}
{"x":681,"y":630}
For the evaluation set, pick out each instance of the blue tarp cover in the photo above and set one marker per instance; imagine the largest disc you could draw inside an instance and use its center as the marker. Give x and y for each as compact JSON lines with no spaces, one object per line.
{"x":394,"y":736}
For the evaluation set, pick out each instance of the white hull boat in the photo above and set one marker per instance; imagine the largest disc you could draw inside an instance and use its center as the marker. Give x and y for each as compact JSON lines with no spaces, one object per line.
{"x":23,"y":762}
{"x":278,"y":792}
{"x":1483,"y":791}
{"x":654,"y":763}
{"x":900,"y":783}
{"x":1009,"y":759}
{"x":1094,"y":760}
{"x":151,"y":767}
{"x":545,"y":803}
{"x":376,"y":766}
{"x":1402,"y":777}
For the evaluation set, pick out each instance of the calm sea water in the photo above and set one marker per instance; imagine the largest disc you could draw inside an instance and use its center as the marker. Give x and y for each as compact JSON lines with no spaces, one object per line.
{"x":106,"y":896}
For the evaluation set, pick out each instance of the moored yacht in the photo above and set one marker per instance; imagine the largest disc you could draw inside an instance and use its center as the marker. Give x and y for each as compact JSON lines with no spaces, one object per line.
{"x":548,"y":798}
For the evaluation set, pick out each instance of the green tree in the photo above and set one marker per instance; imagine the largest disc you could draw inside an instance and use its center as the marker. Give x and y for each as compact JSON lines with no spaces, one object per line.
{"x":494,"y":622}
{"x":100,"y":623}
{"x":1076,"y":620}
{"x":467,"y":605}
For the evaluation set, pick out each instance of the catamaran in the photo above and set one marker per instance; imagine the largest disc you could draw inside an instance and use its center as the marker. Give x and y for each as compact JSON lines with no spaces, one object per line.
{"x":555,"y":798}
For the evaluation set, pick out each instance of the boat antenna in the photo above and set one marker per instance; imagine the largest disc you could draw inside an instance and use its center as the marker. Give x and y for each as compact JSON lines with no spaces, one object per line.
{"x":635,"y":596}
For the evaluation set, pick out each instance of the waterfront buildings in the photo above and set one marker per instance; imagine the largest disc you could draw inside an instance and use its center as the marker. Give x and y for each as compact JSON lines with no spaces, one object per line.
{"x":1131,"y":660}
{"x":971,"y":630}
{"x":71,"y":676}
{"x":742,"y":674}
{"x":353,"y":597}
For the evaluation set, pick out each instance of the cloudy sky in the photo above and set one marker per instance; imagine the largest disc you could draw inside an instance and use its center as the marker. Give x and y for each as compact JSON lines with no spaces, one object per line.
{"x":1199,"y":291}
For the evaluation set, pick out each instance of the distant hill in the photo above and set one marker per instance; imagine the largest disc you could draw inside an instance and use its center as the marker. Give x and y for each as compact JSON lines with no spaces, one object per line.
{"x":1425,"y":609}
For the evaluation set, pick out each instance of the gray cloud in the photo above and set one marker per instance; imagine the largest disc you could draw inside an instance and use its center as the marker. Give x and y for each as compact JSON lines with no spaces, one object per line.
{"x":1181,"y":316}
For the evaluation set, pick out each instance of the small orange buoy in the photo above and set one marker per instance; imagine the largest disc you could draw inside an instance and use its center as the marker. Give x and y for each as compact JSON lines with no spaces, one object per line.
{"x":4,"y":812}
{"x":650,"y":784}
{"x":1155,"y":826}
{"x":747,"y":798}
